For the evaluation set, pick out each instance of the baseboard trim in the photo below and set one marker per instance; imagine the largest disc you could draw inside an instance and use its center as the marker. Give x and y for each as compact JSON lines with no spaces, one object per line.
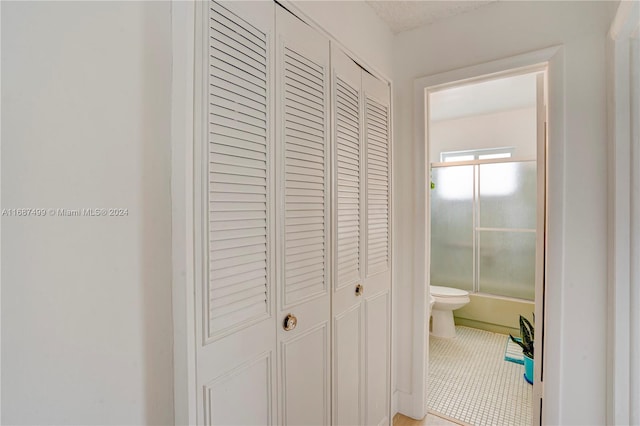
{"x":403,"y":403}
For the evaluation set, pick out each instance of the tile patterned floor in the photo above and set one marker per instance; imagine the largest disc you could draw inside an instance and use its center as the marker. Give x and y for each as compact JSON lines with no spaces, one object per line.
{"x":470,"y":381}
{"x":430,"y":419}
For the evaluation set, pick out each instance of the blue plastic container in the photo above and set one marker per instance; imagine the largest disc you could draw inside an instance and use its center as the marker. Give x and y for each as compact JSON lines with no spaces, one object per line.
{"x":528,"y":369}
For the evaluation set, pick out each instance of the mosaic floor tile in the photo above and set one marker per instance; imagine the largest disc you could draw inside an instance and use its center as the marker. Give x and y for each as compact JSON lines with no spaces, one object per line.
{"x":469,"y":380}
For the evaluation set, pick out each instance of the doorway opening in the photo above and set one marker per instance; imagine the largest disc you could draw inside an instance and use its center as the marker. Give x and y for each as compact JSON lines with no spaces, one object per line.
{"x":485,"y":152}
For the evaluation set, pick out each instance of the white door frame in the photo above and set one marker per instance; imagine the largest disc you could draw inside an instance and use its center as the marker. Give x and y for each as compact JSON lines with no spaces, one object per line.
{"x":623,"y":332}
{"x":553,"y":57}
{"x":183,"y":30}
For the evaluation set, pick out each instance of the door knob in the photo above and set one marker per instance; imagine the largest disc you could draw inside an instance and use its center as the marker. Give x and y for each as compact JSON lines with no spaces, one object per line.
{"x":290,"y":322}
{"x":359,"y":290}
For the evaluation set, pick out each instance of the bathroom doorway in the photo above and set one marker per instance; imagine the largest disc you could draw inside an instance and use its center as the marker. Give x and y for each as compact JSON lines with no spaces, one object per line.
{"x":486,"y":162}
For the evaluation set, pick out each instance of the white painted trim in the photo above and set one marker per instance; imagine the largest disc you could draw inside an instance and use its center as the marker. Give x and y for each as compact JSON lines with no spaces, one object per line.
{"x":182,"y":211}
{"x":634,"y":322}
{"x":623,"y":24}
{"x":393,"y":257}
{"x":541,"y":225}
{"x":0,"y":222}
{"x":528,"y":62}
{"x":553,"y":57}
{"x":477,"y":162}
{"x":623,"y":374}
{"x":403,"y":402}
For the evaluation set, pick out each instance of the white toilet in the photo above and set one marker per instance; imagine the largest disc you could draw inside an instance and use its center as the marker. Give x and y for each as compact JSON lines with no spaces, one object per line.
{"x":447,"y":300}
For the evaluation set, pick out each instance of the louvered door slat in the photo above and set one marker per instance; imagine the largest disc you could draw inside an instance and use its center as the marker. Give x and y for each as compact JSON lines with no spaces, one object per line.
{"x":302,"y":139}
{"x":347,"y":150}
{"x":312,"y":110}
{"x":238,"y":43}
{"x":345,"y":263}
{"x":347,"y":140}
{"x":305,"y":254}
{"x":347,"y":161}
{"x":227,"y":70}
{"x":349,"y":191}
{"x":230,"y":178}
{"x":219,"y":293}
{"x":300,"y":113}
{"x":299,"y":75}
{"x":303,"y":97}
{"x":298,"y":144}
{"x":296,"y":246}
{"x":347,"y":100}
{"x":236,"y":115}
{"x":225,"y":83}
{"x":237,"y":24}
{"x":311,"y":72}
{"x":306,"y":92}
{"x":304,"y":185}
{"x":305,"y":132}
{"x":238,"y":172}
{"x":305,"y":178}
{"x":235,"y":252}
{"x":230,"y":30}
{"x":293,"y":161}
{"x":343,"y":103}
{"x":238,"y":56}
{"x":346,"y":110}
{"x":232,"y":105}
{"x":300,"y":78}
{"x":377,"y":133}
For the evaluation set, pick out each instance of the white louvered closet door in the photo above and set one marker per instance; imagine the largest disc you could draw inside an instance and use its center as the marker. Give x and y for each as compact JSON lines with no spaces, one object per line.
{"x":235,"y":222}
{"x":303,"y":220}
{"x":377,"y":249}
{"x":347,"y":308}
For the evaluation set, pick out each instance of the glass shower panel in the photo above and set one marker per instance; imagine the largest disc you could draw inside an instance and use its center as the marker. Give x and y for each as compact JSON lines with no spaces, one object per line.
{"x":452,"y":227}
{"x":507,"y":195}
{"x":507,"y":263}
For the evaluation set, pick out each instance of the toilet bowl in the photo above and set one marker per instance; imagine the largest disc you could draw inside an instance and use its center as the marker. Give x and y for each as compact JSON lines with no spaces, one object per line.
{"x":447,"y":300}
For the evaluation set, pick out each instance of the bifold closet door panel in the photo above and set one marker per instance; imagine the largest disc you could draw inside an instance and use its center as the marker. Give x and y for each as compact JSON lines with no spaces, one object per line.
{"x":235,"y":217}
{"x":348,"y":314}
{"x":377,"y":248}
{"x":378,"y":175}
{"x":304,"y":345}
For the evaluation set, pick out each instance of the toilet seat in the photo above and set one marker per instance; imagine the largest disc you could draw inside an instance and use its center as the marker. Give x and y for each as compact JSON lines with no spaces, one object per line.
{"x":438,"y":291}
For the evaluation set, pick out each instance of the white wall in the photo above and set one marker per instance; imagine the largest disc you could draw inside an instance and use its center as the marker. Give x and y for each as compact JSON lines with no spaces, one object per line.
{"x":515,"y":128}
{"x":86,"y":301}
{"x":357,"y":27}
{"x":497,"y":31}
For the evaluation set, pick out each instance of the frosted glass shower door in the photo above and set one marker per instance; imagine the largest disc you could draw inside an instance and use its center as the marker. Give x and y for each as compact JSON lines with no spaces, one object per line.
{"x":452,"y":227}
{"x":506,"y":232}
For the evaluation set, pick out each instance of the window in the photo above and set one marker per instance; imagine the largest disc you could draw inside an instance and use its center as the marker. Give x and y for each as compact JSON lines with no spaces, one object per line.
{"x":477,"y":154}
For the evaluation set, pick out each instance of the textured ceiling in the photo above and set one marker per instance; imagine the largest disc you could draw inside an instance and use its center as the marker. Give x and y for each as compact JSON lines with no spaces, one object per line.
{"x":403,"y":15}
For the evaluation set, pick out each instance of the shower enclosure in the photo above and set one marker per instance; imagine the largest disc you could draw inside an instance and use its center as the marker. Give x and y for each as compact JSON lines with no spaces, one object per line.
{"x":483,"y":226}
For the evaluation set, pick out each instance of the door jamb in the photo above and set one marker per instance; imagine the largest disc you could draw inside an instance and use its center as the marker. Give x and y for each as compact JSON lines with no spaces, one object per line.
{"x":623,"y":292}
{"x":183,"y":15}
